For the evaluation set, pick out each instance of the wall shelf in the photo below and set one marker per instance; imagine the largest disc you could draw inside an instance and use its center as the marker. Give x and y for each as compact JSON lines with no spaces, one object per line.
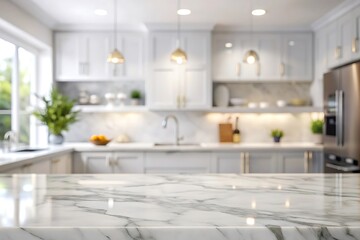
{"x":304,"y":109}
{"x":110,"y":109}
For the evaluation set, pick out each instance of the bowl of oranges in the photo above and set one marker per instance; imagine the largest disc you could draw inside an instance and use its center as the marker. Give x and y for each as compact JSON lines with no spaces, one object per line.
{"x":100,"y":140}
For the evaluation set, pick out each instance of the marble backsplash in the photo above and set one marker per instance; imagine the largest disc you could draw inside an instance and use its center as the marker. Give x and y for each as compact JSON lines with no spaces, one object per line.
{"x":194,"y":126}
{"x":269,"y":92}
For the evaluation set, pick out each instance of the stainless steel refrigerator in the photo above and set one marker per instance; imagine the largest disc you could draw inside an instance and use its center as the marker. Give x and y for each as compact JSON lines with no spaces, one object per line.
{"x":342,"y":119}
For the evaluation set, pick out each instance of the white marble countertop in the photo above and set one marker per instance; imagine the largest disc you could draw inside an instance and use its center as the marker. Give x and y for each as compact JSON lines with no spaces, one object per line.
{"x":181,"y":207}
{"x":14,"y":158}
{"x":301,"y":146}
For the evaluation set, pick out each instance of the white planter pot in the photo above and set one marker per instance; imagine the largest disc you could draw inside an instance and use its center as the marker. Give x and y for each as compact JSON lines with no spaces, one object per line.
{"x":317,"y":138}
{"x":135,"y":102}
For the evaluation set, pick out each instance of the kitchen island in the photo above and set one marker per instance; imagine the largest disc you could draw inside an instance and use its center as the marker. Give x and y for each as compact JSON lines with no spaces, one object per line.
{"x":162,"y":207}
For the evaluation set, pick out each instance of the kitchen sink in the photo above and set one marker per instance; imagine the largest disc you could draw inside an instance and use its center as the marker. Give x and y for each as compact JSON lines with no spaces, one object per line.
{"x":28,"y":149}
{"x":174,"y":145}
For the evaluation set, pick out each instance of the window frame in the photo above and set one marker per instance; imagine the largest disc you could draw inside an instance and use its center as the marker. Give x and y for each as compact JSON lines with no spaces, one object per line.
{"x":15,"y":111}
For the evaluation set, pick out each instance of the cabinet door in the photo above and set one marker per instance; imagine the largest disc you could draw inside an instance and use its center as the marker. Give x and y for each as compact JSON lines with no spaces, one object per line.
{"x":176,"y":162}
{"x":94,"y":162}
{"x":263,"y":162}
{"x":332,"y":44}
{"x":17,"y":170}
{"x":61,"y":164}
{"x":226,"y":59}
{"x":270,"y":58}
{"x":346,"y":28}
{"x":97,"y":48}
{"x":128,"y":162}
{"x":224,"y":162}
{"x":163,"y":89}
{"x":356,"y":34}
{"x":292,"y":162}
{"x":298,"y":57}
{"x":41,"y":167}
{"x":67,"y":50}
{"x":197,"y":89}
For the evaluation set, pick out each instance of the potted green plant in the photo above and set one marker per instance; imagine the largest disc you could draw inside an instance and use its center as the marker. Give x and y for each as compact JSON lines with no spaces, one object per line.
{"x":316,"y":127}
{"x":57,"y":115}
{"x":135,"y":97}
{"x":277,"y":134}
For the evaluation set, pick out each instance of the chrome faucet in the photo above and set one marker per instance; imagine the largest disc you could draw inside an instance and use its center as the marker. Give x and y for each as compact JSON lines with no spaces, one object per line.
{"x":164,"y":124}
{"x":11,"y":138}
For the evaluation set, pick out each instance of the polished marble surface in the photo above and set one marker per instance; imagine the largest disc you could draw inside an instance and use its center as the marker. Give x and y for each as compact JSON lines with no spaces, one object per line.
{"x":313,"y":206}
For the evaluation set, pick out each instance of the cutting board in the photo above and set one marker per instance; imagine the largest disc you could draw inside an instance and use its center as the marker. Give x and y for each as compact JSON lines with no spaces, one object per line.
{"x":225,"y":132}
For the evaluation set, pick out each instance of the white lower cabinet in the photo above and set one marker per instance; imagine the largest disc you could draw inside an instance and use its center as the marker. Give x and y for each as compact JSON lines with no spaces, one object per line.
{"x":108,"y":162}
{"x":225,"y":162}
{"x":177,"y":162}
{"x":262,"y":162}
{"x":61,"y":164}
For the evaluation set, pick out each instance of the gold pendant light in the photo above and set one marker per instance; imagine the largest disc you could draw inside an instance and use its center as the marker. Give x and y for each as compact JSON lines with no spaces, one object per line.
{"x":251,"y":56}
{"x":179,"y":56}
{"x":115,"y":56}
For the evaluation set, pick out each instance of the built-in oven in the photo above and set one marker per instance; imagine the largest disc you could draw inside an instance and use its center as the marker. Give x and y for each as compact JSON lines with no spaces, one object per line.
{"x":338,"y":164}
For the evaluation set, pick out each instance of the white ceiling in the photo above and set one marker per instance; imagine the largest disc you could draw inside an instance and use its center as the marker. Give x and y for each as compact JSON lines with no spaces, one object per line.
{"x":281,"y":14}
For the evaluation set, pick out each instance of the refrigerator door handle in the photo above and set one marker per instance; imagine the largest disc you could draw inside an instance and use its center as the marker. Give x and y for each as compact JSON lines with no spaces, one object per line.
{"x":337,"y":116}
{"x":343,"y":169}
{"x":341,"y":118}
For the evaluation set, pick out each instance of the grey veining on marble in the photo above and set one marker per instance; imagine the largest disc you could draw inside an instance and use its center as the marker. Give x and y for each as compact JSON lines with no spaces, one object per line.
{"x":160,"y":207}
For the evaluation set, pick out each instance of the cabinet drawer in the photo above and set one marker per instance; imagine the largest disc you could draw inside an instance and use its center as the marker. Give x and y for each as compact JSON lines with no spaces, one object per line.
{"x":177,"y":162}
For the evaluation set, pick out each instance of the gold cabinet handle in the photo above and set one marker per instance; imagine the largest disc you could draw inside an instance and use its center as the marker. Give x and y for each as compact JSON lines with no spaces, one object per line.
{"x":282,"y":69}
{"x":354,"y":45}
{"x":54,"y":161}
{"x":338,"y":52}
{"x":242,"y":162}
{"x":308,"y":156}
{"x":247,"y":162}
{"x":238,"y":69}
{"x":183,"y":101}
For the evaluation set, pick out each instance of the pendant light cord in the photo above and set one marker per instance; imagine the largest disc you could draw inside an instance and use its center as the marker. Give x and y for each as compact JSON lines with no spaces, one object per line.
{"x":115,"y":23}
{"x":251,"y":21}
{"x":178,"y":23}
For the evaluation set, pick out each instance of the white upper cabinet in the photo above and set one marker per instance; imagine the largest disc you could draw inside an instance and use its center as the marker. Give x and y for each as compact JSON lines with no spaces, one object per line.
{"x":82,"y":56}
{"x":297,"y":57}
{"x":171,"y":86}
{"x":279,"y":61}
{"x":342,"y":39}
{"x":270,"y":64}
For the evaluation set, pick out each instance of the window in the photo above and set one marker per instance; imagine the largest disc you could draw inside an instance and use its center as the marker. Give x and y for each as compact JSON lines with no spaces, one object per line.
{"x":17,"y":79}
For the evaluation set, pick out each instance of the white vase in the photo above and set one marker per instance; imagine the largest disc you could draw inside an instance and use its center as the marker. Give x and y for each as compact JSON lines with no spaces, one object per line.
{"x":317,"y":138}
{"x":135,"y":102}
{"x":56,"y":139}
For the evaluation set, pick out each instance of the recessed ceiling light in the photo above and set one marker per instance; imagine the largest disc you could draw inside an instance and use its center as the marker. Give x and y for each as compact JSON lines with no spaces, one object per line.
{"x":184,"y":12}
{"x":100,"y":12}
{"x":258,"y":12}
{"x":228,"y":45}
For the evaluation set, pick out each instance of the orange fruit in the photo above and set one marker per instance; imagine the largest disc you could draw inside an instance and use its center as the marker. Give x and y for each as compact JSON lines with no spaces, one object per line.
{"x":94,"y":138}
